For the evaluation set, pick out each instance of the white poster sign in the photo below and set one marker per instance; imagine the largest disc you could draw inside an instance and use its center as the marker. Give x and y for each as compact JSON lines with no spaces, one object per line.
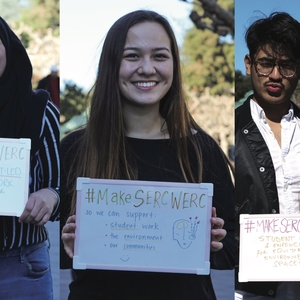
{"x":269,"y":247}
{"x":14,"y":175}
{"x":143,"y":226}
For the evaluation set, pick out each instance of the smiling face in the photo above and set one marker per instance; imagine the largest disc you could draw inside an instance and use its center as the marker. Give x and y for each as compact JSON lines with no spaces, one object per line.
{"x":146,"y":71}
{"x":272,"y":89}
{"x":2,"y":58}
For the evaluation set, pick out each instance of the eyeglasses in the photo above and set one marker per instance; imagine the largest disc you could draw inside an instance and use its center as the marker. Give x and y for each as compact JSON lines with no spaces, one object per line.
{"x":266,"y":67}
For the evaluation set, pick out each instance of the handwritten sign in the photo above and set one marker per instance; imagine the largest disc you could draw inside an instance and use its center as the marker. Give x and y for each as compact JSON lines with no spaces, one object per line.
{"x":143,"y":226}
{"x":269,"y":247}
{"x":14,"y":175}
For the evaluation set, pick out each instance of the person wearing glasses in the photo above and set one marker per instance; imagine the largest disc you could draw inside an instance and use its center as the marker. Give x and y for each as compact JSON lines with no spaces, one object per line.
{"x":268,"y":136}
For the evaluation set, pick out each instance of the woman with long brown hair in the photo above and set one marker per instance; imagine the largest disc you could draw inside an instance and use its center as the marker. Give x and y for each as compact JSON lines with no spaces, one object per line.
{"x":139,"y":128}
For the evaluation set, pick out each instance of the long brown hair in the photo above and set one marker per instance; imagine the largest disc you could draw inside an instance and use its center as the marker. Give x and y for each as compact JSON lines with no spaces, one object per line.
{"x":102,"y":150}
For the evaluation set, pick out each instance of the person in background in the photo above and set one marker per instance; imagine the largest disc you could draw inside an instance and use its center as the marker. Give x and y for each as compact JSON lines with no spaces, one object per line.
{"x":50,"y":83}
{"x":24,"y":246}
{"x":140,"y":129}
{"x":267,"y":136}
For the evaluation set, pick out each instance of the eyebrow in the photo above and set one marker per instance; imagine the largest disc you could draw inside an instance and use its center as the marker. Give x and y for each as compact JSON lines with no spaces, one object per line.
{"x":268,"y":58}
{"x":153,"y":49}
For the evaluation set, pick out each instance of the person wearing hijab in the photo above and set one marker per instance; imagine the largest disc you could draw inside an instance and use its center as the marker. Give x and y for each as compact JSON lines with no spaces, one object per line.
{"x":24,"y":245}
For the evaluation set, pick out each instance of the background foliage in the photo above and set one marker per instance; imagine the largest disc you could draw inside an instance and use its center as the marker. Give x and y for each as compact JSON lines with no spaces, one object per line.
{"x":208,"y":58}
{"x":42,"y":15}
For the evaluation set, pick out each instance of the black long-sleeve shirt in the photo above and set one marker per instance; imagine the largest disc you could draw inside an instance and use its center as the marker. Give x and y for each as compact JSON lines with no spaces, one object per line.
{"x":44,"y":173}
{"x":156,"y":161}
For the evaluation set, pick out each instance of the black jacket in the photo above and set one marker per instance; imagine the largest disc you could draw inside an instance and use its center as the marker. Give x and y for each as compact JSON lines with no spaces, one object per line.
{"x":255,"y":189}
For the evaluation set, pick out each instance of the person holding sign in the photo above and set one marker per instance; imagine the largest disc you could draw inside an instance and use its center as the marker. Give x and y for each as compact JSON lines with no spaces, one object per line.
{"x":268,"y":135}
{"x":24,"y":246}
{"x":140,"y":129}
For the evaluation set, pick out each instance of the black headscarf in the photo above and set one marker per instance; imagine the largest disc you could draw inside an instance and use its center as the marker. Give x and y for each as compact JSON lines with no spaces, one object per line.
{"x":21,"y":109}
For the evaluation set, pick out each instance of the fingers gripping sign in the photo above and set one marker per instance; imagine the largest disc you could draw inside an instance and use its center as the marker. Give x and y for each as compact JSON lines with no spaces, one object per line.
{"x":68,"y":235}
{"x":217,"y":231}
{"x":39,"y":207}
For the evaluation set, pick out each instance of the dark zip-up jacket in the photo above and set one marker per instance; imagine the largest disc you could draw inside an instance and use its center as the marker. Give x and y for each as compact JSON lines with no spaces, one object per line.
{"x":255,"y":183}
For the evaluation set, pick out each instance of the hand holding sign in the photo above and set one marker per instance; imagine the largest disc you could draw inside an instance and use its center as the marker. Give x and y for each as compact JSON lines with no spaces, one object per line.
{"x":217,"y":233}
{"x":142,"y":226}
{"x":39,"y":207}
{"x":68,"y":235}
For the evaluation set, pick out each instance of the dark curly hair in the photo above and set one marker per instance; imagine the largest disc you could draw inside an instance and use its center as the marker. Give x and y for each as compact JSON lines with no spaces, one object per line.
{"x":280,"y":31}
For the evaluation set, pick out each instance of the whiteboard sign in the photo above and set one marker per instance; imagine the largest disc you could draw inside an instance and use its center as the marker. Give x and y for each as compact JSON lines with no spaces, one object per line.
{"x":269,"y":247}
{"x":14,"y":175}
{"x":143,"y":226}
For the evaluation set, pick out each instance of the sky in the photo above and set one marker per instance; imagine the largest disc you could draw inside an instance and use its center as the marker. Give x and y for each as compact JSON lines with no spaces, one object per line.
{"x":84,"y":24}
{"x":246,"y":12}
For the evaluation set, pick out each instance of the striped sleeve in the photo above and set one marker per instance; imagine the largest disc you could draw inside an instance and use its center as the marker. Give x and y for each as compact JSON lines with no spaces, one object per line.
{"x":48,"y":156}
{"x":44,"y":173}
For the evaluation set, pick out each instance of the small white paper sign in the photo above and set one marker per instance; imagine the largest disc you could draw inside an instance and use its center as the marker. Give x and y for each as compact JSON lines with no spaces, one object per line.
{"x":143,"y":226}
{"x":269,"y":247}
{"x":14,"y":175}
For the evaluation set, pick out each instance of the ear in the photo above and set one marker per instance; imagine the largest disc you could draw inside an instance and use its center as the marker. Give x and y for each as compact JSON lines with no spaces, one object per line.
{"x":247,"y":61}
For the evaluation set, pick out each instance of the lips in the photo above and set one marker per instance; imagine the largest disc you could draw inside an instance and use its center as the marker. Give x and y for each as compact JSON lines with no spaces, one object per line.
{"x":274,"y":88}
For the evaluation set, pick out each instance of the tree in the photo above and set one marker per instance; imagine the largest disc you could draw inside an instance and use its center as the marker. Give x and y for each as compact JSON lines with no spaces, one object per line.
{"x":72,"y":101}
{"x":10,"y":10}
{"x":36,"y":33}
{"x":221,"y":20}
{"x":296,"y":95}
{"x":208,"y":60}
{"x":42,"y":15}
{"x":242,"y":85}
{"x":208,"y":69}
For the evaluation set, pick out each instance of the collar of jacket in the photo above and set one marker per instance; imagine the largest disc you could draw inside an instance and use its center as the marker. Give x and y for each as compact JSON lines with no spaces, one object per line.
{"x":243,"y":114}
